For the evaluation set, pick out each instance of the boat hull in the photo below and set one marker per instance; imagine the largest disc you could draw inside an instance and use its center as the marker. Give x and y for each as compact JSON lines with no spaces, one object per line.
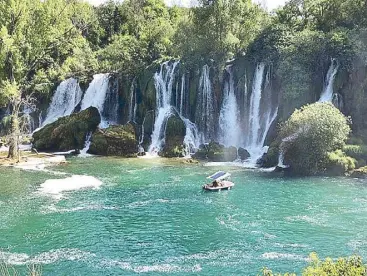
{"x":225,"y":185}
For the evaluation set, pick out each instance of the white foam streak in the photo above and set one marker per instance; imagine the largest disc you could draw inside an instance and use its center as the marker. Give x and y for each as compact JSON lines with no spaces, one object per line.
{"x":56,"y":187}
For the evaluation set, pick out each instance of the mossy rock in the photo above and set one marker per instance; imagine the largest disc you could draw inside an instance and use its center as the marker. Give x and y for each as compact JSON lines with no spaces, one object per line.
{"x":216,"y":152}
{"x":67,"y":133}
{"x":175,"y":135}
{"x":115,"y":141}
{"x":360,"y":173}
{"x":243,"y":154}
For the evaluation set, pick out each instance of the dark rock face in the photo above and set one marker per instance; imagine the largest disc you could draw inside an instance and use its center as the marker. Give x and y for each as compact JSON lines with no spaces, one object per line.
{"x":175,"y":135}
{"x":243,"y":154}
{"x":115,"y":141}
{"x":216,"y":152}
{"x":67,"y":133}
{"x":360,"y":173}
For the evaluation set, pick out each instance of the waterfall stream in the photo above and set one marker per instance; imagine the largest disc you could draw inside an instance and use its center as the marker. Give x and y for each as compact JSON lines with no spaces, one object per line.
{"x":96,"y":95}
{"x":229,"y":124}
{"x":261,"y":115}
{"x":132,"y":103}
{"x":327,"y":94}
{"x":205,"y":118}
{"x":67,"y":96}
{"x":163,"y":81}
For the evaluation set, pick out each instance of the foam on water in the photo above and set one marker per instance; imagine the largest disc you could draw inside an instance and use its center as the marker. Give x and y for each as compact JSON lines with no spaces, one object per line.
{"x":283,"y":256}
{"x":56,"y":187}
{"x":49,"y":257}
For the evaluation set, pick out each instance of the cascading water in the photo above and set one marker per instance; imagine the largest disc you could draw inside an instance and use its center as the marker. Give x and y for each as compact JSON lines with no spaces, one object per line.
{"x":261,"y":116}
{"x":96,"y":95}
{"x":182,"y":95}
{"x":83,"y":152}
{"x":192,"y":137}
{"x":111,"y":103}
{"x":205,"y":118}
{"x":163,"y":81}
{"x":132,"y":104}
{"x":67,"y":96}
{"x":229,"y":124}
{"x":327,"y":94}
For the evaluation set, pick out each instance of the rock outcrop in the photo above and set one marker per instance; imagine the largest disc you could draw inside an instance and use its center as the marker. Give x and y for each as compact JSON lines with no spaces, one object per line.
{"x":115,"y":141}
{"x":175,"y":135}
{"x":216,"y":152}
{"x":67,"y":133}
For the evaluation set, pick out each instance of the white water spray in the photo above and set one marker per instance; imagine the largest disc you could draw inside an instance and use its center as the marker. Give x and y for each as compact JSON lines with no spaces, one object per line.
{"x":205,"y":107}
{"x":67,"y":96}
{"x":229,"y":126}
{"x":163,"y":81}
{"x":84,"y":151}
{"x":261,"y":116}
{"x":96,"y":95}
{"x":132,"y":104}
{"x":327,"y":94}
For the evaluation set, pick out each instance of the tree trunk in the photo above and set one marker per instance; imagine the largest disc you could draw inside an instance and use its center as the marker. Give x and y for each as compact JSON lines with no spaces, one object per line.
{"x":14,"y":139}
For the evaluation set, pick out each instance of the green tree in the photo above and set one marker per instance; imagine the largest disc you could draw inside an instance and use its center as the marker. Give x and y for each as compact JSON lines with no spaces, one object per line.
{"x":310,"y":134}
{"x":39,"y":42}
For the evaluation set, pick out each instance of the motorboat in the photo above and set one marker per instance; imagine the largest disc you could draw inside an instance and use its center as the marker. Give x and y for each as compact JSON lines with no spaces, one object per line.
{"x":219,"y":182}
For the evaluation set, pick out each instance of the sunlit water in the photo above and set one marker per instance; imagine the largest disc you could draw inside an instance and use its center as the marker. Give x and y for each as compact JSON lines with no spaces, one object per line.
{"x":151,"y":217}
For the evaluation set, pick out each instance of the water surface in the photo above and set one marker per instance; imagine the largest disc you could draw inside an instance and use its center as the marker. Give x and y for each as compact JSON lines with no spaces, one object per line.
{"x":151,"y":217}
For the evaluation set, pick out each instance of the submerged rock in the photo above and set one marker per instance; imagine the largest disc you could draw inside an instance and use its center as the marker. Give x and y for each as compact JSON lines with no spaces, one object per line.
{"x":216,"y":152}
{"x":115,"y":141}
{"x":175,"y":135}
{"x":67,"y":133}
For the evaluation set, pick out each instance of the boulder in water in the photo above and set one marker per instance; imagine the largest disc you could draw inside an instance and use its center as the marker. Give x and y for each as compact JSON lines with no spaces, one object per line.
{"x":216,"y":152}
{"x":115,"y":141}
{"x":67,"y":133}
{"x":243,"y":154}
{"x":175,"y":135}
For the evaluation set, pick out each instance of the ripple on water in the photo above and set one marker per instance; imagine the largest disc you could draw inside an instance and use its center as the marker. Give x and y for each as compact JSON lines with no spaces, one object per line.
{"x":283,"y":256}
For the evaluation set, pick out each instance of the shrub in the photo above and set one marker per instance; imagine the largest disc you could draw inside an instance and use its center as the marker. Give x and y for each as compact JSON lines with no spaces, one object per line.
{"x":352,"y":266}
{"x":339,"y":163}
{"x":310,"y":134}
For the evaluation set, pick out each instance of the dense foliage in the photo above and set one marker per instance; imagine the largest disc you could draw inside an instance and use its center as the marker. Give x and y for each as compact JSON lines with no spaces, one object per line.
{"x":43,"y":42}
{"x":311,"y":134}
{"x":352,"y":266}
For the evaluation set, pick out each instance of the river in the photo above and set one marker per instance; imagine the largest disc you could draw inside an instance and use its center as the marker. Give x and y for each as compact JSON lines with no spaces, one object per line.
{"x":151,"y":217}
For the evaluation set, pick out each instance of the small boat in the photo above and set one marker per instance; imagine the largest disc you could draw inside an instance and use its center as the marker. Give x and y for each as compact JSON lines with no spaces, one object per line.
{"x":220,"y":182}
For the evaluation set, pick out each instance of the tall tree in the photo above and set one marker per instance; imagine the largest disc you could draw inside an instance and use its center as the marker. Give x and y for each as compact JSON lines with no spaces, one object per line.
{"x":38,"y":39}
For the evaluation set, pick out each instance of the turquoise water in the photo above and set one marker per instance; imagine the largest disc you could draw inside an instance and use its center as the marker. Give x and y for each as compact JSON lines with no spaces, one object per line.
{"x":151,"y":217}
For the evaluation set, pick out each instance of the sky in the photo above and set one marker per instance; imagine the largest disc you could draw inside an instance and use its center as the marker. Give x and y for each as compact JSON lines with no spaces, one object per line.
{"x":270,"y":4}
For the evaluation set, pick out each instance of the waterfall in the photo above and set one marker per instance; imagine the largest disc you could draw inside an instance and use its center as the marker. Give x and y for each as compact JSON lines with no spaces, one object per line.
{"x":83,"y":152}
{"x":327,"y":94}
{"x":261,"y":115}
{"x":182,"y":99}
{"x":28,"y":125}
{"x":111,"y":103}
{"x":132,"y":104}
{"x":205,"y":107}
{"x":67,"y":96}
{"x":96,"y":95}
{"x":163,"y":81}
{"x":192,"y":137}
{"x":229,"y":126}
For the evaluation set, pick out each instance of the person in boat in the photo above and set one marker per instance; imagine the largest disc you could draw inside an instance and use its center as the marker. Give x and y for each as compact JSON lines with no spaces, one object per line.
{"x":215,"y":183}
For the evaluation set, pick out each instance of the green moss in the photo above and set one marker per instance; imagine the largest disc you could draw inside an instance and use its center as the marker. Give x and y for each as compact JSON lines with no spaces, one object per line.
{"x":67,"y":133}
{"x":115,"y":141}
{"x":356,"y":151}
